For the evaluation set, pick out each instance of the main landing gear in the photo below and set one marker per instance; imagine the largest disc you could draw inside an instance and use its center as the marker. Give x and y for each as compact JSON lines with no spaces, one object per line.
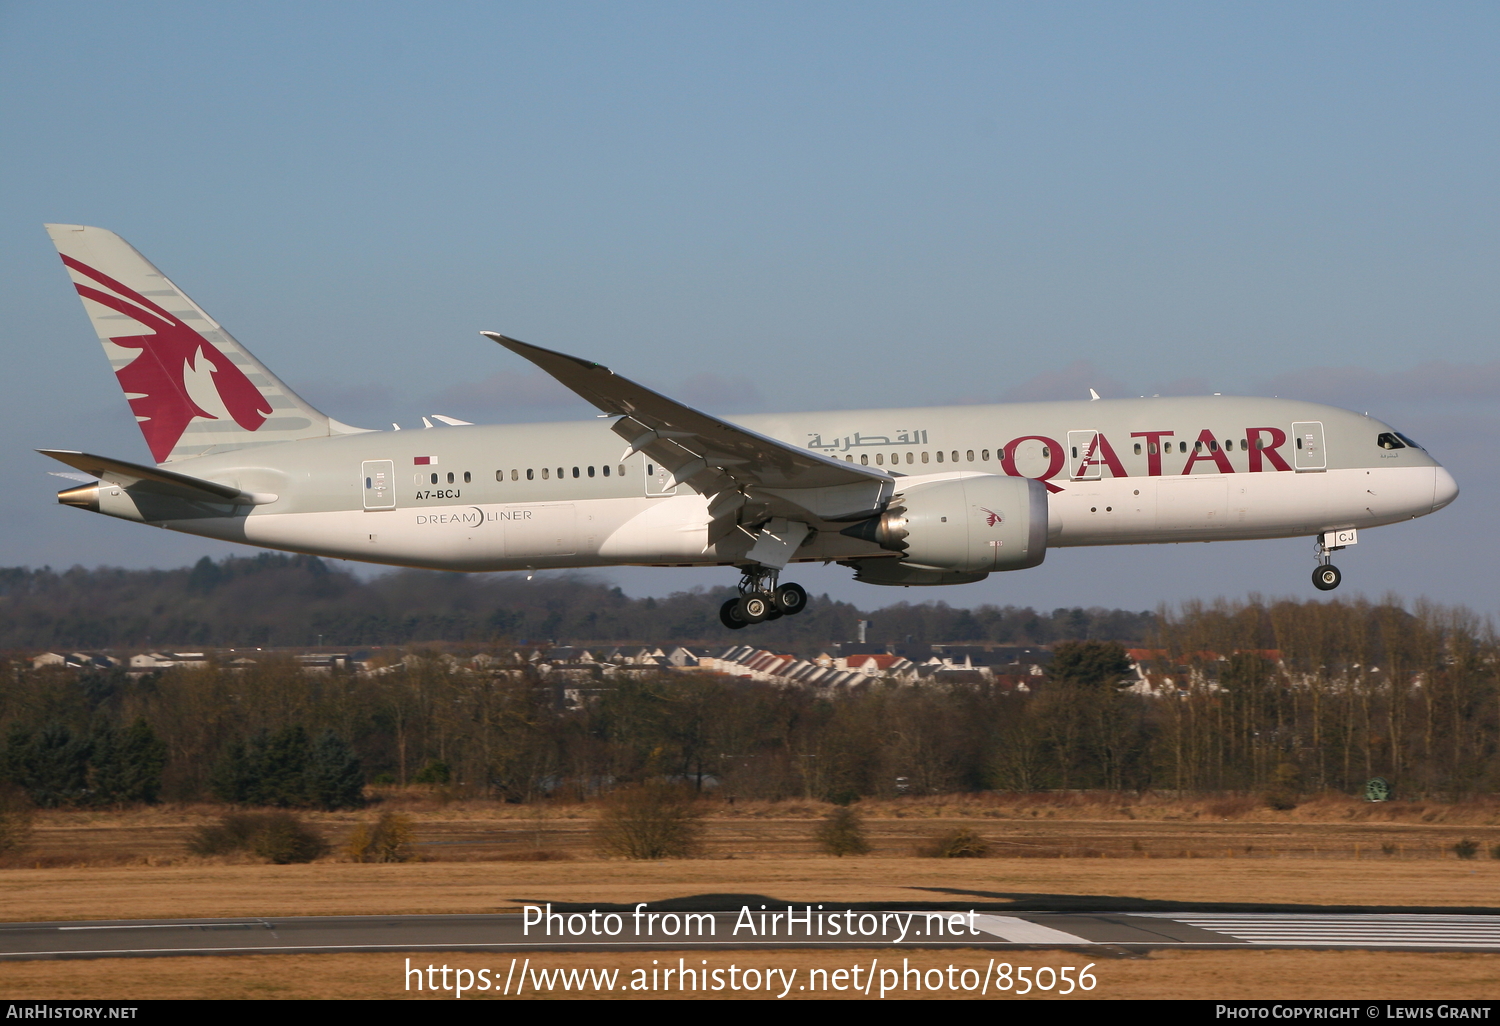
{"x":1326,"y":577}
{"x":761,"y":598}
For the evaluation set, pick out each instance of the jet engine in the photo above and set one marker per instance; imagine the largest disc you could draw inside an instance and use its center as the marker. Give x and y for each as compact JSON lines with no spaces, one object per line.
{"x":961,"y":526}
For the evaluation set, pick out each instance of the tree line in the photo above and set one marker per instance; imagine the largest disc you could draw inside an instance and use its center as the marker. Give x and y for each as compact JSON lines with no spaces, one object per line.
{"x":1275,"y":698}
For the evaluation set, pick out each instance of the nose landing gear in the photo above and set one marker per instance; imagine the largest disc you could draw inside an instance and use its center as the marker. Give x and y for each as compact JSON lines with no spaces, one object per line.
{"x":1326,"y":576}
{"x":761,"y":598}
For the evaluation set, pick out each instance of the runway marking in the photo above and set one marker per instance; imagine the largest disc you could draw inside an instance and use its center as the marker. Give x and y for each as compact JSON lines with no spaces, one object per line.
{"x":1023,"y":931}
{"x":500,"y":932}
{"x":1391,"y":930}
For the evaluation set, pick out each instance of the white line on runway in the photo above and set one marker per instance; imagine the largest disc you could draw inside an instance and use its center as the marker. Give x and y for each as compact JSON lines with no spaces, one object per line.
{"x":1023,"y":931}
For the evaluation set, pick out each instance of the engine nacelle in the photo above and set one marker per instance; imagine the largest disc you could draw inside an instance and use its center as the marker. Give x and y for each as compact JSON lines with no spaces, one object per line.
{"x":971,"y":524}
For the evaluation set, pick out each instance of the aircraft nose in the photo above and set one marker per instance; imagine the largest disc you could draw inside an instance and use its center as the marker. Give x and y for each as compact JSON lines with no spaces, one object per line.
{"x":1444,"y":490}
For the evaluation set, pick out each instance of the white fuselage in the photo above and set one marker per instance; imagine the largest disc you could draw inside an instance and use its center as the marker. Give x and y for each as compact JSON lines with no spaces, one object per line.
{"x":1119,"y":472}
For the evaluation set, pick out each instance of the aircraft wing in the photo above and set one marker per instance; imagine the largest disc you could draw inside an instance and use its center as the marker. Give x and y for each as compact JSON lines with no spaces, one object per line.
{"x":738,"y":469}
{"x":154,"y":479}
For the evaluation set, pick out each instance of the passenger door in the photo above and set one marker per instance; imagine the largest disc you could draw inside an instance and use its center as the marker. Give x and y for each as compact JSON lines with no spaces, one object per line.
{"x":1307,"y":447}
{"x":380,"y":484}
{"x":659,"y":480}
{"x":1083,"y":456}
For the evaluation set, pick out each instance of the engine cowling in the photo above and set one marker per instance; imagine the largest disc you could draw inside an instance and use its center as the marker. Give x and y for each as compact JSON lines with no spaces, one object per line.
{"x":971,"y":524}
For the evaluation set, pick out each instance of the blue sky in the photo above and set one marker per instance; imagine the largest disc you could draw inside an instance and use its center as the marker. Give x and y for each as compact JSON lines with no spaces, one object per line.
{"x":775,"y":207}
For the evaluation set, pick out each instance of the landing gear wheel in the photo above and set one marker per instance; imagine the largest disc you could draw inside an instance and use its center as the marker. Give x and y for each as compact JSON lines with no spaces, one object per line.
{"x":729,"y":617}
{"x":752,"y":608}
{"x":790,"y":599}
{"x":1326,"y":578}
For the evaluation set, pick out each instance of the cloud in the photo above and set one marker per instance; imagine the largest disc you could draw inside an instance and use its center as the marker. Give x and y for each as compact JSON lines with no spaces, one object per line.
{"x":369,"y":402}
{"x":1433,"y":381}
{"x":507,"y":390}
{"x":1181,"y":386}
{"x":1071,"y":382}
{"x":535,"y":391}
{"x":709,"y":391}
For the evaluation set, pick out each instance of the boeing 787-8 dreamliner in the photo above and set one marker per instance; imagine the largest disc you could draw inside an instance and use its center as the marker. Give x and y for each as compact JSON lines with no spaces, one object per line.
{"x":922,"y":496}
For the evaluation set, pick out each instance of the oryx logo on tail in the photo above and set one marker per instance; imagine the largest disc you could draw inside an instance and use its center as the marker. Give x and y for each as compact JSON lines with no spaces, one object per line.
{"x":166,"y":383}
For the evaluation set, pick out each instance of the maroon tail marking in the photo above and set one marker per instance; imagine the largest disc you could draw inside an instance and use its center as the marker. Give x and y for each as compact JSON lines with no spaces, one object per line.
{"x":157,"y":374}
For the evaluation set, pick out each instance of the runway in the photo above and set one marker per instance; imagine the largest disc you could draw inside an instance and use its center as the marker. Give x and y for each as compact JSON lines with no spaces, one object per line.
{"x":772,"y":927}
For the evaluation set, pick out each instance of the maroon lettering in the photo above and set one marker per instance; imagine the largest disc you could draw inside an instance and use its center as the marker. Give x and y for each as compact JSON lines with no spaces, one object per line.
{"x":1208,"y":449}
{"x":1055,"y":463}
{"x":1106,"y":457}
{"x":1153,"y":449}
{"x":1278,"y":439}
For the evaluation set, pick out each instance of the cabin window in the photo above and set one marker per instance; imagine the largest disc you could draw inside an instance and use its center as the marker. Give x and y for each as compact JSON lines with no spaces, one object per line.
{"x":591,"y":472}
{"x":955,"y":455}
{"x":971,"y":456}
{"x":499,"y":475}
{"x":880,"y":459}
{"x":529,"y":474}
{"x":1046,"y":452}
{"x":911,"y":457}
{"x":984,"y":454}
{"x":514,"y":475}
{"x":560,"y":473}
{"x":650,"y":470}
{"x":940,"y":456}
{"x":1181,"y":446}
{"x":864,"y":460}
{"x":622,"y":470}
{"x":434,"y":479}
{"x":1198,"y":446}
{"x":1137,"y":448}
{"x":369,"y":483}
{"x":546,"y":473}
{"x":924,"y":457}
{"x":1389,"y":441}
{"x":895,"y":458}
{"x":450,"y":477}
{"x":466,"y":477}
{"x":1075,"y":452}
{"x":575,"y":471}
{"x":1213,"y":445}
{"x":605,"y":468}
{"x":1299,"y":441}
{"x":1150,"y":448}
{"x":848,"y":459}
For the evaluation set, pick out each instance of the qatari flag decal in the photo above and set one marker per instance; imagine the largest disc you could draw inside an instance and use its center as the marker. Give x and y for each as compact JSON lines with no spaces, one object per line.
{"x":424,"y":461}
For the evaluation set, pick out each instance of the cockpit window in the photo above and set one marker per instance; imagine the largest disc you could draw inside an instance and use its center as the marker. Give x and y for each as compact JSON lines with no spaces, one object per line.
{"x":1388,"y":440}
{"x":1408,"y":441}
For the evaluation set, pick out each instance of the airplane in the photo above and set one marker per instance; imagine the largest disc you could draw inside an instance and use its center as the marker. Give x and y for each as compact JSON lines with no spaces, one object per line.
{"x":905,"y":497}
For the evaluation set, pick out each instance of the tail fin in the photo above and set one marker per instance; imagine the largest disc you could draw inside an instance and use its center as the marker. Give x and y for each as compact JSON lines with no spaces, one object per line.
{"x":193,"y":388}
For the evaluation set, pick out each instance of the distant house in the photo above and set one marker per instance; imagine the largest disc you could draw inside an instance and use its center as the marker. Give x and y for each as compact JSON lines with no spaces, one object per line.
{"x":145,"y":662}
{"x":74,"y":661}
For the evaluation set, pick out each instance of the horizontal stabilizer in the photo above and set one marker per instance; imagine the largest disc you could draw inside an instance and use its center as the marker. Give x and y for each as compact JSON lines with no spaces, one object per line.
{"x":165,"y":482}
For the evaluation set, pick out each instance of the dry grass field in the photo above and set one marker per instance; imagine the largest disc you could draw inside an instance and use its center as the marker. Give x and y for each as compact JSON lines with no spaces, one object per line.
{"x":1059,"y":852}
